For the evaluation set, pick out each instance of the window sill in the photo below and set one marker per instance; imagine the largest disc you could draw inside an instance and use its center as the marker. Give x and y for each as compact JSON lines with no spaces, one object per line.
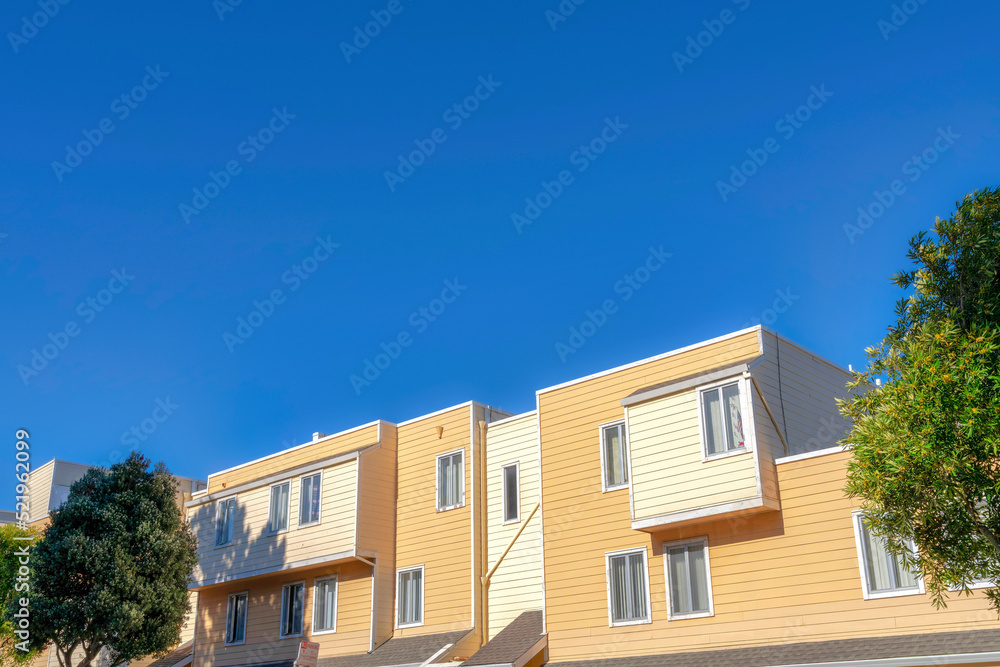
{"x":410,"y":625}
{"x":242,"y":643}
{"x":324,"y":632}
{"x":618,"y":624}
{"x":705,"y":458}
{"x":511,"y":522}
{"x":609,"y":489}
{"x":450,"y":507}
{"x":290,"y":636}
{"x":696,"y":614}
{"x":307,"y":525}
{"x":895,"y":594}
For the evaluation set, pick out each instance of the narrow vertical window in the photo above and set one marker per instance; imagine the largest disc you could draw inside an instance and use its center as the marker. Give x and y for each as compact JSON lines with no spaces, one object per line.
{"x":293,"y":601}
{"x":236,"y":619}
{"x":309,"y":499}
{"x":325,"y":605}
{"x":511,"y":494}
{"x":722,"y":419}
{"x":884,"y":573}
{"x":451,"y":480}
{"x":688,"y":581}
{"x":628,"y":588}
{"x":614,"y":455}
{"x":410,"y":597}
{"x":225,"y":514}
{"x":278,"y":514}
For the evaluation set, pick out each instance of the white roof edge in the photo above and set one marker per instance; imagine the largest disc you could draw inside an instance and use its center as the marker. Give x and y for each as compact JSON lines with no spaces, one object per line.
{"x":912,"y":661}
{"x":441,"y":412}
{"x":513,"y":418}
{"x":758,"y":328}
{"x":811,"y":455}
{"x":292,"y":449}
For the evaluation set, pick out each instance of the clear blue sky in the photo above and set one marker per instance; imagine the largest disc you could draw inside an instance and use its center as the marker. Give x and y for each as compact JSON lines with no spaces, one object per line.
{"x":676,"y":124}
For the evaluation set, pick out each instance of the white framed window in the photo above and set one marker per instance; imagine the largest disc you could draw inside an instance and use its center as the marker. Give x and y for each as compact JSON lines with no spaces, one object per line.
{"x":236,"y":618}
{"x":310,"y":490}
{"x":723,"y":416}
{"x":628,"y":587}
{"x":410,"y":597}
{"x":277,"y":513}
{"x":689,"y":579}
{"x":882,"y":573}
{"x":293,"y":604}
{"x":325,"y":606}
{"x":511,"y":484}
{"x":614,"y":457}
{"x":225,"y":520}
{"x":451,"y":480}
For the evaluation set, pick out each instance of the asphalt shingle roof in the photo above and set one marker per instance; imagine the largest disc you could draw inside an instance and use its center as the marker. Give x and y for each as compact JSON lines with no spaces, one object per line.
{"x":510,"y":643}
{"x":398,"y":651}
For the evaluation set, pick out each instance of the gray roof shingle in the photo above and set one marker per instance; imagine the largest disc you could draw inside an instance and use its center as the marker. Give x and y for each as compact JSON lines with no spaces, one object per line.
{"x":398,"y":651}
{"x":510,"y":643}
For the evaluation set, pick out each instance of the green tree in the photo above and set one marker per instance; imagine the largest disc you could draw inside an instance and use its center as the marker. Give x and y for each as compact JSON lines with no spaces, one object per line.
{"x":926,"y":443}
{"x":10,"y":557}
{"x":111,"y":573}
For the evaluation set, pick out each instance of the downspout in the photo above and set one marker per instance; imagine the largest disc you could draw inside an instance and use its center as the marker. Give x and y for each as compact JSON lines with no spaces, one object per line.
{"x":374,"y":620}
{"x":483,"y":515}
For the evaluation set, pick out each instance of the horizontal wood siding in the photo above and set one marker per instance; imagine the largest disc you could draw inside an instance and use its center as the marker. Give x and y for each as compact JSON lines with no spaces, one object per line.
{"x":264,"y":643}
{"x":440,"y":541}
{"x":254,"y":549}
{"x":377,"y":523}
{"x":39,"y":488}
{"x":516,"y":585}
{"x":292,"y":458}
{"x":668,"y":470}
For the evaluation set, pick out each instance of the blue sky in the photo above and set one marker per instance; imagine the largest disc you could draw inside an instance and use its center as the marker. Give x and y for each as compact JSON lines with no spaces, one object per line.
{"x":249,"y":156}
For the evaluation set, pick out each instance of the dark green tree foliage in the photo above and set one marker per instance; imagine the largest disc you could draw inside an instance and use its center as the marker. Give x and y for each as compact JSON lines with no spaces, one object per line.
{"x":112,"y":571}
{"x":926,"y":444}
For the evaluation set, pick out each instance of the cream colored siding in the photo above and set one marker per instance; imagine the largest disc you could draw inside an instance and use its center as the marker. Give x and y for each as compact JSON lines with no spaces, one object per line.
{"x":668,"y":470}
{"x":253,"y":550}
{"x":39,"y":488}
{"x":516,"y":586}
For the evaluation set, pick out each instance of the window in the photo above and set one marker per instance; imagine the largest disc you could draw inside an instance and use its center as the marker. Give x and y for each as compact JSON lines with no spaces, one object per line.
{"x":722,"y":419}
{"x":293,"y":602}
{"x":309,"y":490}
{"x":614,"y":456}
{"x":882,"y":573}
{"x":277,"y":516}
{"x":410,"y":597}
{"x":236,"y":619}
{"x":511,"y":494}
{"x":689,"y":584}
{"x":325,"y":606}
{"x":451,"y":480}
{"x":225,"y":517}
{"x":628,"y":588}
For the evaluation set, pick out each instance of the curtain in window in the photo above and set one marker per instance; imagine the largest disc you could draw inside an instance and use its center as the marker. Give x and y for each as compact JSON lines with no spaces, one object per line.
{"x":619,"y":588}
{"x":637,"y":585}
{"x":877,"y":559}
{"x":224,"y":521}
{"x":450,"y":480}
{"x":410,"y":597}
{"x":699,"y":577}
{"x":236,"y":626}
{"x":734,"y":420}
{"x":512,"y":497}
{"x":325,"y":604}
{"x":712,"y":408}
{"x":309,"y":500}
{"x":680,"y":594}
{"x":298,"y":593}
{"x":614,"y":457}
{"x":279,"y":507}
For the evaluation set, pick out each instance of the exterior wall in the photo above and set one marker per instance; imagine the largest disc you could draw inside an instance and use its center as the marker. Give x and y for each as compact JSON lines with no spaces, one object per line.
{"x":440,"y":541}
{"x":580,"y":522}
{"x":39,"y":490}
{"x":253,"y":550}
{"x":516,"y":585}
{"x":264,"y":643}
{"x":669,"y":473}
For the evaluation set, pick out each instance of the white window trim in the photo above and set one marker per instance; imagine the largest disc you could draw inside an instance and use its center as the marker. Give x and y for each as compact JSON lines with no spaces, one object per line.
{"x":281,"y":620}
{"x":608,"y":555}
{"x":437,"y":480}
{"x":628,"y":457}
{"x":270,"y":498}
{"x":319,"y":518}
{"x":246,"y":621}
{"x":666,"y":547}
{"x":423,"y":597}
{"x":856,"y":517}
{"x":503,"y":492}
{"x":749,"y":428}
{"x":215,"y":523}
{"x":336,"y":597}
